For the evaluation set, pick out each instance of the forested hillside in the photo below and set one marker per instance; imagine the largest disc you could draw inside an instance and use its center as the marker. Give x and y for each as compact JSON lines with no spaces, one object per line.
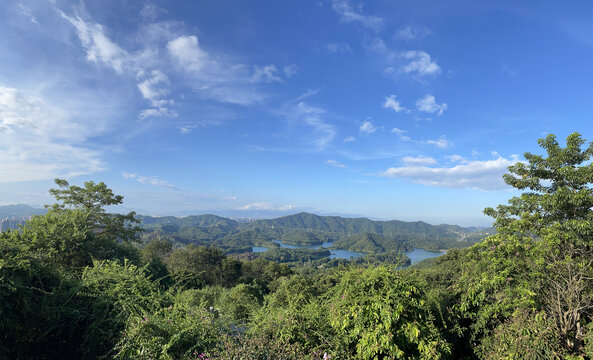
{"x":79,"y":283}
{"x":311,"y":229}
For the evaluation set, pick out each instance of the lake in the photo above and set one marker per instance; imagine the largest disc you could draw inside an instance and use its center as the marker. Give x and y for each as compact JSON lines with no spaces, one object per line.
{"x":415,"y":255}
{"x":334,"y":254}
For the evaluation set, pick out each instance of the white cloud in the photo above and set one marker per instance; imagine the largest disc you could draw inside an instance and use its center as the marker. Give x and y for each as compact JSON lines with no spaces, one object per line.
{"x":265,"y":74}
{"x":99,"y":48}
{"x":428,"y":104}
{"x":334,"y":48}
{"x":152,"y":84}
{"x":441,"y":142}
{"x":350,"y":15}
{"x":264,"y":205}
{"x":26,"y":12}
{"x":157,"y":112}
{"x":187,"y":128}
{"x":484,"y":175}
{"x":153,"y":88}
{"x":150,"y":12}
{"x":412,"y":32}
{"x":414,"y":62}
{"x":216,"y":77}
{"x":40,"y":140}
{"x":312,"y":116}
{"x":315,"y":131}
{"x":187,"y":52}
{"x":290,"y":70}
{"x":456,"y":158}
{"x":391,"y":103}
{"x":150,"y":180}
{"x":401,"y":133}
{"x":419,"y":160}
{"x":368,"y":127}
{"x":420,"y":64}
{"x":348,"y":139}
{"x":334,"y":163}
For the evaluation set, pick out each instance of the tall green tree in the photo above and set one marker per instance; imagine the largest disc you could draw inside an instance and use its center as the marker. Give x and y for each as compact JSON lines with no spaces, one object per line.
{"x":554,"y":217}
{"x":92,"y":200}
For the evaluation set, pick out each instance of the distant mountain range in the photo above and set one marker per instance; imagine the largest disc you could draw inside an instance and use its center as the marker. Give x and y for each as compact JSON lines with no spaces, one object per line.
{"x":302,"y":228}
{"x":20,"y":210}
{"x":307,"y":229}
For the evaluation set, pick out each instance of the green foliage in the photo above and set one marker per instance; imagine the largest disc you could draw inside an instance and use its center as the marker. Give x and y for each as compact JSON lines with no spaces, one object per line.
{"x":526,"y":335}
{"x":554,"y":216}
{"x":204,"y":263}
{"x":175,"y":332}
{"x":263,"y":272}
{"x":370,"y":243}
{"x":240,"y":303}
{"x":377,"y":314}
{"x":496,"y":279}
{"x":305,"y":238}
{"x":284,"y":255}
{"x":112,"y":293}
{"x":32,"y":297}
{"x":92,"y":200}
{"x":296,"y":313}
{"x":240,"y":347}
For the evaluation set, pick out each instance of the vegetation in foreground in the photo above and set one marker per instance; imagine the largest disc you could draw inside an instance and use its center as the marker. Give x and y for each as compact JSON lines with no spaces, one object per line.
{"x":76,"y":283}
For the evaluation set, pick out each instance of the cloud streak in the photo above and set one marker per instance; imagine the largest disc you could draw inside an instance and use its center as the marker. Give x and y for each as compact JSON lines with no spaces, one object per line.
{"x":483,"y":175}
{"x":350,"y":15}
{"x":428,"y":104}
{"x":150,"y":180}
{"x":40,"y":140}
{"x":391,"y":103}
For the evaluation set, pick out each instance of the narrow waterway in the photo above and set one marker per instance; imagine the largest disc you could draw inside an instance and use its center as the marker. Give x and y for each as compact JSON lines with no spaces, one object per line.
{"x":415,"y":255}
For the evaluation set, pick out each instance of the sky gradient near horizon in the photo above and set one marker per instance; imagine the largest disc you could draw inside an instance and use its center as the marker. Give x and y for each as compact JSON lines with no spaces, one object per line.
{"x":408,"y":110}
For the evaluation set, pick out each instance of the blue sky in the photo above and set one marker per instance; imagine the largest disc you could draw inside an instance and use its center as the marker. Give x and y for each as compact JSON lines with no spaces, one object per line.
{"x":386,"y":109}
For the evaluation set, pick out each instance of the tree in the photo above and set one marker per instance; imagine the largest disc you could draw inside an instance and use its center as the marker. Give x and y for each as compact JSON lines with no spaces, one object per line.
{"x":379,"y":315}
{"x":77,"y":229}
{"x":92,"y":199}
{"x":555,"y":216}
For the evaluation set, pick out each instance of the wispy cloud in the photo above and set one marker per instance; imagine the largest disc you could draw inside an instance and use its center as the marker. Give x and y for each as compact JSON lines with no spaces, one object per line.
{"x":441,"y":142}
{"x":416,"y":63}
{"x":428,"y":104}
{"x":412,"y":32}
{"x":419,"y":160}
{"x":290,"y":70}
{"x":336,"y":48}
{"x":152,"y":83}
{"x":420,"y":63}
{"x":315,"y":131}
{"x":484,"y":175}
{"x":348,"y":139}
{"x":217,"y":77}
{"x":188,"y":54}
{"x":150,"y":180}
{"x":26,"y":12}
{"x":456,"y":158}
{"x":212,"y":76}
{"x":264,"y":205}
{"x":368,"y":127}
{"x":350,"y":15}
{"x":265,"y":74}
{"x":401,"y":134}
{"x":391,"y":103}
{"x":334,"y":163}
{"x":43,"y":140}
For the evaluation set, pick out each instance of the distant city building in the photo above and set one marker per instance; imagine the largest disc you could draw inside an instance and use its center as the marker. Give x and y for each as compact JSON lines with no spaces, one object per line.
{"x":13,"y":222}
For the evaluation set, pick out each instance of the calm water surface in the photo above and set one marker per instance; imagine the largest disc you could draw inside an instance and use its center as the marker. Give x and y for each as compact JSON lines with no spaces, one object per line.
{"x":334,"y":254}
{"x":415,"y":255}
